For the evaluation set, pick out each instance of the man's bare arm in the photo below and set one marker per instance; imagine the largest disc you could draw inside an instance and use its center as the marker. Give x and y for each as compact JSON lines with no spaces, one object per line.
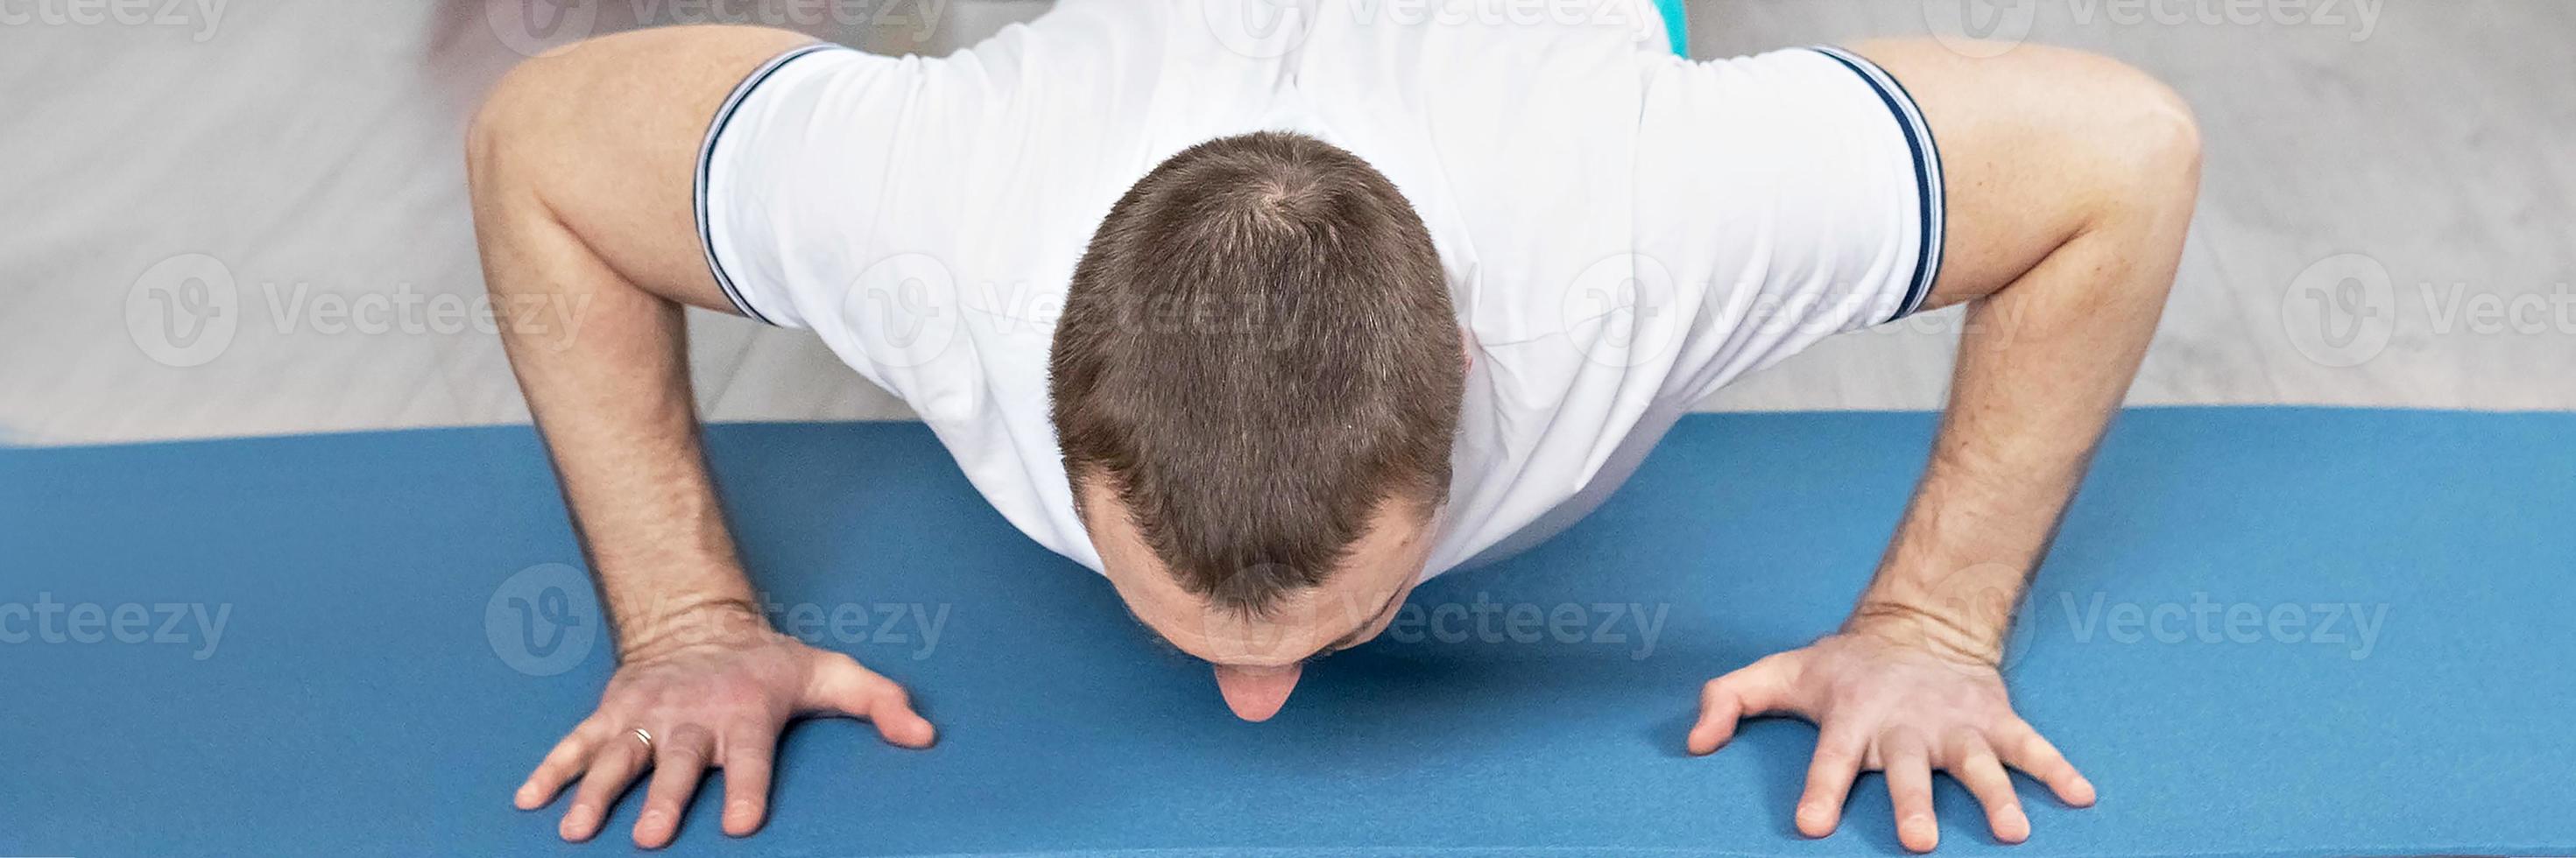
{"x":2047,"y":355}
{"x":582,"y":164}
{"x":2071,"y":184}
{"x":588,"y":281}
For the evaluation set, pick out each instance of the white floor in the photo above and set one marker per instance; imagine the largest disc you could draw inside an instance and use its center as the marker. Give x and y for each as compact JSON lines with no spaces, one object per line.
{"x":306,"y":153}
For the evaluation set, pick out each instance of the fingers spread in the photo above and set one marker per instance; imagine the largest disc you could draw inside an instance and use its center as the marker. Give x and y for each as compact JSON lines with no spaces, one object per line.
{"x":612,"y":766}
{"x":749,"y":750}
{"x":680,"y":758}
{"x":2023,"y":748}
{"x":1909,"y":788}
{"x":1974,"y":765}
{"x":1759,"y":688}
{"x":841,"y":685}
{"x":558,"y":768}
{"x":1829,"y":780}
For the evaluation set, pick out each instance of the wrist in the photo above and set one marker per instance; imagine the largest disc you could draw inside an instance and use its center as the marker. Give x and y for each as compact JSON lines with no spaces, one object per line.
{"x":684,"y":622}
{"x":1939,"y":630}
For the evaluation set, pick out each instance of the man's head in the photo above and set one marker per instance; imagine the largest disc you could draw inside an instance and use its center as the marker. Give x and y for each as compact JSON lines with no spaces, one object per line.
{"x":1255,"y":380}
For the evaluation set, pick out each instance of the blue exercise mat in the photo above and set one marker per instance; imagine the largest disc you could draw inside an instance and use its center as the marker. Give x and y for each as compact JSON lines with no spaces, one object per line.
{"x":2263,"y":632}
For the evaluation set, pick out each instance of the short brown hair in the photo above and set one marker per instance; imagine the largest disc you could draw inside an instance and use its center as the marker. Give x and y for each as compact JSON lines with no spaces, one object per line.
{"x":1258,"y":350}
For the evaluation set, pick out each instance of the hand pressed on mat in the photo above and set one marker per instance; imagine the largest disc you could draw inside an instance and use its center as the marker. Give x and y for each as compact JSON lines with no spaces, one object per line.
{"x":1884,"y":700}
{"x":715,"y":699}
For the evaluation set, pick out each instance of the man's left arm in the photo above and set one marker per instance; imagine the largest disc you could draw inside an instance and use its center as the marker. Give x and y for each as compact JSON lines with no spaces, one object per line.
{"x":2071,"y":183}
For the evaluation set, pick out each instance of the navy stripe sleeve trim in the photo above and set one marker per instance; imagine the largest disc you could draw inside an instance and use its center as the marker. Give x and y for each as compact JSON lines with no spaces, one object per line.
{"x":706,"y":161}
{"x":1927,"y":171}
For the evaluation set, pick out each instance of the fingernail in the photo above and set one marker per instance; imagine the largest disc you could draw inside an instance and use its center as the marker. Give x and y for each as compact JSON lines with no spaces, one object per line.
{"x":650,"y":819}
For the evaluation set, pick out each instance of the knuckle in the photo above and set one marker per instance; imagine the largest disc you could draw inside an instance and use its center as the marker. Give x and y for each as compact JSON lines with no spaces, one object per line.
{"x":690,"y":735}
{"x":746,"y":761}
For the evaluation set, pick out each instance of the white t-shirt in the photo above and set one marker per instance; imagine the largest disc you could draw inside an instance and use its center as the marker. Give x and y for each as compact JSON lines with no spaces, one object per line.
{"x":1623,"y":230}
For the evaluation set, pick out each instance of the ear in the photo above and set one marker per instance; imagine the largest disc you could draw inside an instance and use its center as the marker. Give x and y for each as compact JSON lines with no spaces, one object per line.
{"x":1466,"y":349}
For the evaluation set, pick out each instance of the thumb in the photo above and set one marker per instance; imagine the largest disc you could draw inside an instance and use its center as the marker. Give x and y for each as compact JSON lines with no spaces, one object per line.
{"x":840,"y":685}
{"x":1760,"y":688}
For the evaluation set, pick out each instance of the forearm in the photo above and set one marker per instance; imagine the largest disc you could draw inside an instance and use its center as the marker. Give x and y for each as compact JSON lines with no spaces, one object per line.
{"x":2042,"y":367}
{"x":606,"y":377}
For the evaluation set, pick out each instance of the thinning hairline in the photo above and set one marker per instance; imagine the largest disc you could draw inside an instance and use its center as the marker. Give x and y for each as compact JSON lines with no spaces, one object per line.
{"x":1394,"y":600}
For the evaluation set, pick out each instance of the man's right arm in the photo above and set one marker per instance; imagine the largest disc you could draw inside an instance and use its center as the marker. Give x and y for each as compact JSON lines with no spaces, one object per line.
{"x":582,"y":164}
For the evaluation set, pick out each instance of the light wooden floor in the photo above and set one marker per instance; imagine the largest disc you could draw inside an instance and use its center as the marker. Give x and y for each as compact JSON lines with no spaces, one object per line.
{"x":309,"y":151}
